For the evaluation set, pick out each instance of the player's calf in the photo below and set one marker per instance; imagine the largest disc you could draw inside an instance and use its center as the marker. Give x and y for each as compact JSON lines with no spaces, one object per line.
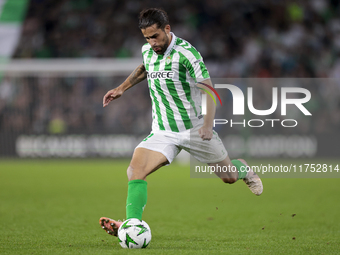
{"x":229,"y":180}
{"x":224,"y":171}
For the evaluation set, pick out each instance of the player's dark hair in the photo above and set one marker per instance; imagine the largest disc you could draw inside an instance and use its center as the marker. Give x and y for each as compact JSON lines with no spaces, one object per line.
{"x":151,"y":16}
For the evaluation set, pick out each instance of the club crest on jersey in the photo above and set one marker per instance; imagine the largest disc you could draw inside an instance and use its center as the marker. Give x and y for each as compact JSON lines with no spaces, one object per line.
{"x":161,"y":75}
{"x":168,"y":60}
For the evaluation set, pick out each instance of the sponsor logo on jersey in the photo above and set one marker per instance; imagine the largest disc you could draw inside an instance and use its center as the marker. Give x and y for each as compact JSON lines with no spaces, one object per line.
{"x":161,"y":75}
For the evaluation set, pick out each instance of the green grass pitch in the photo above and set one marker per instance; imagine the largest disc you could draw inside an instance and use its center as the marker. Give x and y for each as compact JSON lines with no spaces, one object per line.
{"x":53,"y":207}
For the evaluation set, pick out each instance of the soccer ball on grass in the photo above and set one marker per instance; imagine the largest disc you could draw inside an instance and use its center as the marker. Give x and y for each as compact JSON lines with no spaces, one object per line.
{"x":134,"y":234}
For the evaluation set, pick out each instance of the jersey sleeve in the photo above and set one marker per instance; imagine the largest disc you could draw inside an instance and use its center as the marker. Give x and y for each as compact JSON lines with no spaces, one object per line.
{"x":193,"y":62}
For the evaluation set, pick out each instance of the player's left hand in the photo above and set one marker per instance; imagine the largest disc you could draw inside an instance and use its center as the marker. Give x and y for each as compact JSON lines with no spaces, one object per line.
{"x":205,"y":133}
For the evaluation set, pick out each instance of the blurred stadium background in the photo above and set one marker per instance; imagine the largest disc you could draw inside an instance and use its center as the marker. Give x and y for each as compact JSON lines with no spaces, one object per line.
{"x":59,"y":57}
{"x":68,"y":53}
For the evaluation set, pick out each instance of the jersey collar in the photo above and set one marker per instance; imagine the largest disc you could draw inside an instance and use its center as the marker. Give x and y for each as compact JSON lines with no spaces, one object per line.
{"x":171,"y":45}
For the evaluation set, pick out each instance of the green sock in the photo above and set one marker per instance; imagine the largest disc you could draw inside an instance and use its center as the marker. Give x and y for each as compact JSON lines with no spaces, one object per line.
{"x":241,"y":172}
{"x":136,"y":199}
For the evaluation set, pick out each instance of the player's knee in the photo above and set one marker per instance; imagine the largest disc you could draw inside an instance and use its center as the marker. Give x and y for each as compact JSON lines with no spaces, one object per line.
{"x":229,"y":180}
{"x":130,"y":172}
{"x":134,"y":174}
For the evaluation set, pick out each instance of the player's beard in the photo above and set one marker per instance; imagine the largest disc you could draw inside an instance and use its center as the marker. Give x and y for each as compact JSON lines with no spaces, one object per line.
{"x":162,"y":47}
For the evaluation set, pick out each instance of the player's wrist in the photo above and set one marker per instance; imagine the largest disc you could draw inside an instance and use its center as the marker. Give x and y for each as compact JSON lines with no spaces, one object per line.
{"x":121,"y":89}
{"x":207,"y":125}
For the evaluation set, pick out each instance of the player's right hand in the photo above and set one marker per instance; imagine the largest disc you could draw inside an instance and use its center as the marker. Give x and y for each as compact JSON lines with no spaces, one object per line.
{"x":111,"y":95}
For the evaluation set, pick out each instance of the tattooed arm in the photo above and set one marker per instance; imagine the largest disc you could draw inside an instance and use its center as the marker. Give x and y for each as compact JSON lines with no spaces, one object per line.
{"x":138,"y":75}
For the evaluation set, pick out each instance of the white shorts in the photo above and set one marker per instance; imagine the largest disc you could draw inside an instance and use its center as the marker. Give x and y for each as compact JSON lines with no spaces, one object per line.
{"x":171,"y":143}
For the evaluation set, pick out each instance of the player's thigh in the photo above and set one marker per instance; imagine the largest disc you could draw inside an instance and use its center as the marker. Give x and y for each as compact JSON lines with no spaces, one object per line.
{"x":144,"y":162}
{"x":214,"y":154}
{"x":211,"y":151}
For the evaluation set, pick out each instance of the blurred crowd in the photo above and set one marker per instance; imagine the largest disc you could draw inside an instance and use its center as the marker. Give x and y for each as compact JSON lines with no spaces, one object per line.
{"x":239,"y":39}
{"x":56,"y":105}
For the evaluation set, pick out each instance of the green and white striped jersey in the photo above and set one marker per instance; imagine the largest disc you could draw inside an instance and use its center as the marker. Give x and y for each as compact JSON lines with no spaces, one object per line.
{"x":172,"y":77}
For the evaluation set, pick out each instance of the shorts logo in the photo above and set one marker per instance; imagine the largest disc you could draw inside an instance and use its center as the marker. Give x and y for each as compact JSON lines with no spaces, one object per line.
{"x":161,"y":75}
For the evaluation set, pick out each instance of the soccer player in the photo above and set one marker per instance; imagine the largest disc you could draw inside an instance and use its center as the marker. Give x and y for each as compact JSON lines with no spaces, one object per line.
{"x":174,"y":69}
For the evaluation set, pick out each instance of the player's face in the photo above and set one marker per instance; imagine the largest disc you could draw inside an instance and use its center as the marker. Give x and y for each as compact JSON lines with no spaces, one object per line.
{"x":158,"y":39}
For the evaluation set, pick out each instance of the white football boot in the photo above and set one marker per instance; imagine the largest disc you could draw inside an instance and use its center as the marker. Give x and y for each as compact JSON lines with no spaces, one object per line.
{"x":252,"y":180}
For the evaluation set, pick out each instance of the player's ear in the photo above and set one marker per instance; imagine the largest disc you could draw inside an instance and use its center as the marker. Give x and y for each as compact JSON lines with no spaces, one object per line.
{"x":167,"y":29}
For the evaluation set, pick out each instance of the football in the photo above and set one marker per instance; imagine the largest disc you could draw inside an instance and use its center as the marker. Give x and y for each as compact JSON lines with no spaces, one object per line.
{"x":134,"y":234}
